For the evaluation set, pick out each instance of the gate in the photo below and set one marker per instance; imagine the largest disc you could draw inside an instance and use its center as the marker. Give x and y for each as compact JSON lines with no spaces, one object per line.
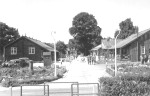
{"x":86,"y":89}
{"x":61,"y":89}
{"x":34,"y":89}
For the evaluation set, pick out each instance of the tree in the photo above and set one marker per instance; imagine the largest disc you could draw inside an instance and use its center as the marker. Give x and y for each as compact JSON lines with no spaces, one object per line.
{"x":86,"y":32}
{"x":126,"y":29}
{"x":7,"y":35}
{"x":61,"y":47}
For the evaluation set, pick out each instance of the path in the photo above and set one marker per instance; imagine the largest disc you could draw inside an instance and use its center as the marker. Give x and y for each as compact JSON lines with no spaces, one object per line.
{"x":84,"y":73}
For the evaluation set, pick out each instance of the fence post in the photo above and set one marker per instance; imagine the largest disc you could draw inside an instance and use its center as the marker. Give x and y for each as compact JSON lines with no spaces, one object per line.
{"x":48,"y":90}
{"x":78,"y":88}
{"x":71,"y":89}
{"x":21,"y":90}
{"x":44,"y":88}
{"x":10,"y":90}
{"x":98,"y":89}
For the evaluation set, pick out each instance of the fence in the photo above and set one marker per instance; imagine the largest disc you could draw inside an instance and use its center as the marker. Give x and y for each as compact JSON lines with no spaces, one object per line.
{"x":31,"y":92}
{"x":86,"y":89}
{"x":60,"y":89}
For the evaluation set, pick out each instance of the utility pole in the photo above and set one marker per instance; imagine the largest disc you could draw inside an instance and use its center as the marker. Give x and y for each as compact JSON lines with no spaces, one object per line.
{"x":116,"y":54}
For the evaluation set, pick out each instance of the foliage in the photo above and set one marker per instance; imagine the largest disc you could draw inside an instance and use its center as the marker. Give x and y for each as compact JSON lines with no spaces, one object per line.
{"x":23,"y":76}
{"x":124,"y":86}
{"x":110,"y":71}
{"x":86,"y":32}
{"x":134,"y":81}
{"x":61,"y":47}
{"x":126,"y":29}
{"x":7,"y":35}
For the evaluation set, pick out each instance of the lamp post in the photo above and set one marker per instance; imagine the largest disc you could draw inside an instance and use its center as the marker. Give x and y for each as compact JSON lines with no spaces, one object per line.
{"x":116,"y":54}
{"x":54,"y":54}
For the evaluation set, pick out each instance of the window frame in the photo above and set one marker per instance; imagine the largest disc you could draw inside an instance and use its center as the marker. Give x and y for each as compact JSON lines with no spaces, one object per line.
{"x":31,"y":50}
{"x":13,"y":51}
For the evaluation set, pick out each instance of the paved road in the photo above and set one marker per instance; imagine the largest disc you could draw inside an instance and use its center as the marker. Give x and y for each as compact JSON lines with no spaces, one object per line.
{"x":84,"y":73}
{"x":77,"y":72}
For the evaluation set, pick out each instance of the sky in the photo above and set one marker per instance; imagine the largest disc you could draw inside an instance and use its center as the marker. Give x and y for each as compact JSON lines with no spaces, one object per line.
{"x":39,"y":18}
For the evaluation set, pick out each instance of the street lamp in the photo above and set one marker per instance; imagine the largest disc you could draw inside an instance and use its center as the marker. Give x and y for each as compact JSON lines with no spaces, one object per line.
{"x":116,"y":54}
{"x":54,"y":53}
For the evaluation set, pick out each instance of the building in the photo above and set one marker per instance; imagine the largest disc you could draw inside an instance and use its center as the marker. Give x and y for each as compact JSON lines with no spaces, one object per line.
{"x":131,"y":48}
{"x":134,"y":46}
{"x":103,"y":50}
{"x":27,"y":47}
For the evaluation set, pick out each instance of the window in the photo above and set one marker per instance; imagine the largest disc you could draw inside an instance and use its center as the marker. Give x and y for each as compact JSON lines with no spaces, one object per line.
{"x":13,"y":50}
{"x":31,"y":50}
{"x":142,"y":49}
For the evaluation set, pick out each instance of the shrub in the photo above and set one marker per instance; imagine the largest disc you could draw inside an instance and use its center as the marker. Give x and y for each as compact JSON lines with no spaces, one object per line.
{"x":110,"y":71}
{"x":113,"y":86}
{"x":8,"y":83}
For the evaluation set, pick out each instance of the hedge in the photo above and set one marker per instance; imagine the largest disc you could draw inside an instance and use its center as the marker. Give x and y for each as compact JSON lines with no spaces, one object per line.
{"x":134,"y":81}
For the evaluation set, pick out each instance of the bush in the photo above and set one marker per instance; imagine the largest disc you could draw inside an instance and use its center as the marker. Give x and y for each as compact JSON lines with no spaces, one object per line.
{"x":115,"y":86}
{"x":110,"y":71}
{"x":8,"y":83}
{"x":23,"y":76}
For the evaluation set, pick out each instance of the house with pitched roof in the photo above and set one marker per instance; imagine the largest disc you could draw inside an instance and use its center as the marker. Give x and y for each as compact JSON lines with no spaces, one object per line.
{"x":103,"y":50}
{"x":27,"y":47}
{"x":131,"y":48}
{"x":134,"y":46}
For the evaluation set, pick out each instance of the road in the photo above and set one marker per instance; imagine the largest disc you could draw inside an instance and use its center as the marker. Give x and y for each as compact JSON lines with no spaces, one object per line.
{"x":77,"y":72}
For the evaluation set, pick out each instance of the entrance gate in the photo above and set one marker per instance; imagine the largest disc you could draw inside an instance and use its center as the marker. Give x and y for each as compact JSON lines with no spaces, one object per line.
{"x":63,"y":89}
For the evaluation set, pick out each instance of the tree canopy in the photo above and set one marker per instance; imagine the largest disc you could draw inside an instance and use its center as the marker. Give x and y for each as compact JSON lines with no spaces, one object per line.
{"x":7,"y":35}
{"x":126,"y":29}
{"x":61,"y":47}
{"x":85,"y":32}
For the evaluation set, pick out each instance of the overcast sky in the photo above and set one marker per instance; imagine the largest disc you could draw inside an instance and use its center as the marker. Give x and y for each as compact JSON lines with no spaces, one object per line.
{"x":38,"y":18}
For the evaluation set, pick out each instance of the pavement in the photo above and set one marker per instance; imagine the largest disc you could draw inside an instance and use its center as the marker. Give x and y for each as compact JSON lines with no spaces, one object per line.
{"x":78,"y":71}
{"x":83,"y":73}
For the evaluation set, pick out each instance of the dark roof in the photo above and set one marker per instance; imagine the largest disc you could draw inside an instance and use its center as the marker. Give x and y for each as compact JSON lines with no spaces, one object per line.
{"x":39,"y":43}
{"x":129,"y":39}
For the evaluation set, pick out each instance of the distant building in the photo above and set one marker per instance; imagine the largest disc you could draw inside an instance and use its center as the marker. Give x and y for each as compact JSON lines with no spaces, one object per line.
{"x":27,"y":47}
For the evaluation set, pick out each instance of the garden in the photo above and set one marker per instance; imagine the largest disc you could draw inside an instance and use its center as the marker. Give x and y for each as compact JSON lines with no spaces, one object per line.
{"x":13,"y":75}
{"x":133,"y":79}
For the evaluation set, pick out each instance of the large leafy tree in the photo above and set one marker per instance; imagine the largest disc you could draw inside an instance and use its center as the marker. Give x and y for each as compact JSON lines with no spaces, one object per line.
{"x":61,"y":47}
{"x":86,"y":32}
{"x":7,"y":35}
{"x":126,"y":29}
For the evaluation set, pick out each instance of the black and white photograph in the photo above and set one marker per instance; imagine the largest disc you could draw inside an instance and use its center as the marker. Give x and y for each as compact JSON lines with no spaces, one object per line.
{"x":74,"y":48}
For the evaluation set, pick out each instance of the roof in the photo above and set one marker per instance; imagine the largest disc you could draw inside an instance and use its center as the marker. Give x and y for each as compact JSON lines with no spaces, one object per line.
{"x":106,"y":44}
{"x":129,"y":39}
{"x":39,"y":43}
{"x":97,"y":47}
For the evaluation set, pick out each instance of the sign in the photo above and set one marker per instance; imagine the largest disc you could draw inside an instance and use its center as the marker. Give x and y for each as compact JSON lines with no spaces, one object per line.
{"x":46,"y":53}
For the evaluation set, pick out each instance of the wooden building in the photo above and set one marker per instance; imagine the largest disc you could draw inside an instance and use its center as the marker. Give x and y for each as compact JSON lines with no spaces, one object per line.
{"x":131,"y":48}
{"x":27,"y":47}
{"x":134,"y":46}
